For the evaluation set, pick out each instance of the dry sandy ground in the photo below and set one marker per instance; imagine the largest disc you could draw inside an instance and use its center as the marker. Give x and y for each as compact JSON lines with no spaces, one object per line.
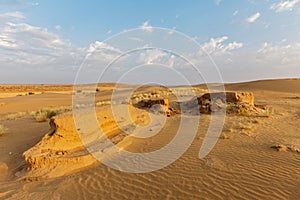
{"x":241,"y":167}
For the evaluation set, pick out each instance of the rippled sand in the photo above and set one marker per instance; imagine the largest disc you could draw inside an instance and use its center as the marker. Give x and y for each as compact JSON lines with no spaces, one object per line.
{"x":241,"y":167}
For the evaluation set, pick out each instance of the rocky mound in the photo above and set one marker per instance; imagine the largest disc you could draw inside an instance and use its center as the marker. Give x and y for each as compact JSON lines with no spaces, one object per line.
{"x":284,"y":148}
{"x":157,"y":106}
{"x":61,"y":151}
{"x":233,"y":102}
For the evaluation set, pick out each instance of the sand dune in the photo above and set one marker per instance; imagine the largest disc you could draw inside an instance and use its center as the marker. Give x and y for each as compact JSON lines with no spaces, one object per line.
{"x":241,"y":167}
{"x":282,"y":85}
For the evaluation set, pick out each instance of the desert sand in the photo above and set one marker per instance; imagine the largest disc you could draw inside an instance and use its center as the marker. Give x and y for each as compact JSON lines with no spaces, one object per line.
{"x":256,"y":157}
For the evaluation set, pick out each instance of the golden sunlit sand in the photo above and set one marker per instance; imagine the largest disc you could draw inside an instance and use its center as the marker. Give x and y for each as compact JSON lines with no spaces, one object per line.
{"x":256,"y":156}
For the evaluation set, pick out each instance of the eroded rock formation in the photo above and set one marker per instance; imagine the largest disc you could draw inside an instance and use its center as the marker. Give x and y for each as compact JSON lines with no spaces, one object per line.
{"x":156,"y":106}
{"x":211,"y":102}
{"x":63,"y":150}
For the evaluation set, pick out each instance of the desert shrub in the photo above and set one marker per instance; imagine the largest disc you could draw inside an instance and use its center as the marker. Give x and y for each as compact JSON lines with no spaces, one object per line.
{"x":41,"y":116}
{"x":103,"y":103}
{"x":244,"y":112}
{"x":267,"y":113}
{"x":14,"y":116}
{"x":224,"y":136}
{"x":46,"y":113}
{"x":30,"y":93}
{"x":3,"y":130}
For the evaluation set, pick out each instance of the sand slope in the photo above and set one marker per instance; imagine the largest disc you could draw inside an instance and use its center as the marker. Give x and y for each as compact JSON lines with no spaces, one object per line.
{"x":241,"y":167}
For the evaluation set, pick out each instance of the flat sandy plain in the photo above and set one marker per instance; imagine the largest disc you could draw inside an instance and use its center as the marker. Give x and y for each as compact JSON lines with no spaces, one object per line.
{"x":244,"y":166}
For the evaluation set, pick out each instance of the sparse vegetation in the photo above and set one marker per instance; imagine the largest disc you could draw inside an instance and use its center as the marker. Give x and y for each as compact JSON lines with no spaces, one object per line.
{"x":41,"y":116}
{"x":14,"y":116}
{"x":244,"y":112}
{"x":3,"y":130}
{"x":44,"y":114}
{"x":103,"y":103}
{"x":267,"y":112}
{"x":224,"y":136}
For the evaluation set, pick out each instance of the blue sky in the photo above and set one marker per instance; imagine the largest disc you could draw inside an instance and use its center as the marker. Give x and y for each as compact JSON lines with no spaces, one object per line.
{"x":46,"y":41}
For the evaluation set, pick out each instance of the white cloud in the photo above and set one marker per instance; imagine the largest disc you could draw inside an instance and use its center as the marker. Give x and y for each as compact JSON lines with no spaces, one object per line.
{"x":280,"y":55}
{"x":57,"y":27}
{"x":151,"y":56}
{"x":172,"y":31}
{"x":253,"y":18}
{"x":12,"y":16}
{"x":99,"y":46}
{"x":9,"y":2}
{"x":27,"y":44}
{"x":235,"y":12}
{"x":216,"y":46}
{"x":136,"y":39}
{"x":217,"y":2}
{"x":25,"y":36}
{"x":218,"y":49}
{"x":108,"y":32}
{"x":284,"y":5}
{"x":100,"y":51}
{"x":146,"y":27}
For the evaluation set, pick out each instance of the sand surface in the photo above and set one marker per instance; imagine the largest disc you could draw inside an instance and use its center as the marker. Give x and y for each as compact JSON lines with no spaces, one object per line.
{"x":241,"y":167}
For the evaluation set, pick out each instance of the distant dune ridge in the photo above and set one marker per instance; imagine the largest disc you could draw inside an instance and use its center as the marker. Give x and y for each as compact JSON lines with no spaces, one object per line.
{"x":259,"y":144}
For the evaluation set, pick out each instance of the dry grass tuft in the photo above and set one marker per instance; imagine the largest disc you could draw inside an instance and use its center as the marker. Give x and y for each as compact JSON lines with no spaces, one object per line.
{"x":103,"y":103}
{"x":224,"y":136}
{"x":44,"y":114}
{"x":15,"y":116}
{"x":3,"y":130}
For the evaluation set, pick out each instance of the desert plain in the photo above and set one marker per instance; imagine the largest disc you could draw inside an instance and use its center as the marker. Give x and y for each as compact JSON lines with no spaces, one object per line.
{"x":256,"y":155}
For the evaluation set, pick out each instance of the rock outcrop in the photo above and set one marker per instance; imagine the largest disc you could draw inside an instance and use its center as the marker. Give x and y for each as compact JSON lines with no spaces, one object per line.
{"x":156,"y":106}
{"x":59,"y":152}
{"x":62,"y":150}
{"x":285,"y":148}
{"x":227,"y":97}
{"x":231,"y":102}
